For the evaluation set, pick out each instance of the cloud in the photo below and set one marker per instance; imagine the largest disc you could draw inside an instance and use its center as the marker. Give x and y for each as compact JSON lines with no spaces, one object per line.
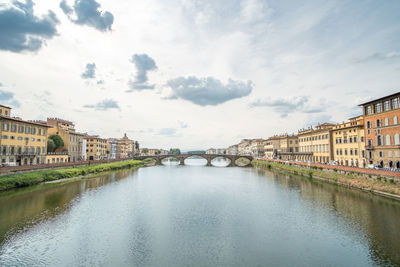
{"x":106,"y":104}
{"x":379,"y":57}
{"x":207,"y":91}
{"x":7,"y":98}
{"x":167,"y":131}
{"x":182,"y":124}
{"x":285,"y":106}
{"x":87,"y":13}
{"x":100,"y":82}
{"x":20,"y":30}
{"x":90,"y":71}
{"x":143,"y":64}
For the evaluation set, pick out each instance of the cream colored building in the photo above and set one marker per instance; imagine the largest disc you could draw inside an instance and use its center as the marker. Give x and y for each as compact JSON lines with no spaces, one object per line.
{"x":22,"y":142}
{"x":349,"y":143}
{"x":96,"y":147}
{"x":211,"y":151}
{"x":271,"y":146}
{"x":125,"y":147}
{"x":315,"y":144}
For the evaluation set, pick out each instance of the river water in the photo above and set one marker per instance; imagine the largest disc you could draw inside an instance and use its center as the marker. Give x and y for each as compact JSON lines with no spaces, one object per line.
{"x":197,"y":216}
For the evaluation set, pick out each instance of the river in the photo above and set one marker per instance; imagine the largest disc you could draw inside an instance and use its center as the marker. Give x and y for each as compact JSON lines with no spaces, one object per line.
{"x":197,"y":216}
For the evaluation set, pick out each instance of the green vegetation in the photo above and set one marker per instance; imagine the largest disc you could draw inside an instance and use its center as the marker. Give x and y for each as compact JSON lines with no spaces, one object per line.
{"x":36,"y":177}
{"x":351,"y":179}
{"x":145,"y":150}
{"x":54,"y":142}
{"x":174,"y":151}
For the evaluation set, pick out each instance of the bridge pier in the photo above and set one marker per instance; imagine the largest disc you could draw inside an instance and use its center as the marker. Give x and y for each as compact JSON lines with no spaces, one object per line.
{"x":182,"y":161}
{"x":209,"y":161}
{"x":232,"y":163}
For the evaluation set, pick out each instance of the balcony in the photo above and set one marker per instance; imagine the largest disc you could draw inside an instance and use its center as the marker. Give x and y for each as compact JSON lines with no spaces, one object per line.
{"x":369,"y":147}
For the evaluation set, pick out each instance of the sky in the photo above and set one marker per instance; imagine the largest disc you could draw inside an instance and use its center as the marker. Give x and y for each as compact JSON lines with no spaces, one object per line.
{"x":196,"y":74}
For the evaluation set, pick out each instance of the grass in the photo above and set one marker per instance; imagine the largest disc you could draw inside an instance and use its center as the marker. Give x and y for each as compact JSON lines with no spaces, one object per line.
{"x":350,"y":179}
{"x":32,"y":178}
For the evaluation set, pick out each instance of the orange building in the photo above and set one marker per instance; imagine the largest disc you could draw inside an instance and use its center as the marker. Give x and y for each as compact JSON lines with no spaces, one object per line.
{"x":382,"y":131}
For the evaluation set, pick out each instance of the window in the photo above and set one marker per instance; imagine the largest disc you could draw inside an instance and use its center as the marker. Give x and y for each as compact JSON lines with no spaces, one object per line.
{"x":368,"y":124}
{"x":5,"y":126}
{"x":13,"y":127}
{"x":395,"y":103}
{"x":395,"y":120}
{"x":27,"y":129}
{"x":4,"y":136}
{"x":378,"y":107}
{"x":39,"y":131}
{"x":355,"y":152}
{"x":378,"y":123}
{"x":381,"y":154}
{"x":362,"y":138}
{"x":4,"y":150}
{"x":20,"y":138}
{"x":12,"y":150}
{"x":386,"y":122}
{"x":33,"y":130}
{"x":345,"y":151}
{"x":379,"y":141}
{"x":355,"y":139}
{"x":21,"y":129}
{"x":396,"y":139}
{"x":368,"y":110}
{"x":386,"y":105}
{"x":387,"y":141}
{"x":351,"y":151}
{"x":38,"y":150}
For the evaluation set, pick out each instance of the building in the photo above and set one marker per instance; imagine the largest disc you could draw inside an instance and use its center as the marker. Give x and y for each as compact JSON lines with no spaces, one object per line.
{"x":233,"y":150}
{"x":288,"y":147}
{"x":315,"y":144}
{"x":112,"y":147}
{"x":257,"y":147}
{"x":349,"y":143}
{"x":382,"y":129}
{"x":126,"y":147}
{"x":73,"y":141}
{"x":244,"y":147}
{"x":22,"y":142}
{"x":211,"y":151}
{"x":271,"y":146}
{"x":96,"y":147}
{"x":53,"y":158}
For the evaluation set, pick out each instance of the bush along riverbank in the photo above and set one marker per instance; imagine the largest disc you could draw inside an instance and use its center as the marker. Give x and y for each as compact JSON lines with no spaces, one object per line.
{"x":32,"y":178}
{"x":384,"y":186}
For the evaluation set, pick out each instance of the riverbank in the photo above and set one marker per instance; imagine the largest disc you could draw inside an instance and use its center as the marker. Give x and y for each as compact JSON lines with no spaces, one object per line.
{"x":36,"y":177}
{"x":381,"y":186}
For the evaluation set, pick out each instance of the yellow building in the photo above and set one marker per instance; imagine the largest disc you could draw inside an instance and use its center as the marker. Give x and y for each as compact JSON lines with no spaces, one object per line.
{"x":125,"y":147}
{"x":96,"y":147}
{"x":316,"y":141}
{"x":22,"y":142}
{"x":288,"y":146}
{"x":348,"y":143}
{"x":271,"y":146}
{"x":54,"y":158}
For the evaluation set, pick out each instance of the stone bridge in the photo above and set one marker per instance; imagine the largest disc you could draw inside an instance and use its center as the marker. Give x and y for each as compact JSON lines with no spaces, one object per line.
{"x":208,"y":157}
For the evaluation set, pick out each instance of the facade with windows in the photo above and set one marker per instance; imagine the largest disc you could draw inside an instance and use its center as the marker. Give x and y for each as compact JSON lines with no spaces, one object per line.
{"x":22,"y":142}
{"x":382,"y":130}
{"x":349,"y":143}
{"x":315,"y":145}
{"x":96,"y":147}
{"x":112,"y":147}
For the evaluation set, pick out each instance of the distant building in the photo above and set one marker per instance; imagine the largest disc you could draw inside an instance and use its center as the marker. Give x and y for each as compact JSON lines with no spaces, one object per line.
{"x":271,"y":146}
{"x":112,"y":147}
{"x":382,"y":130}
{"x":349,"y":143}
{"x":73,"y":141}
{"x":56,"y":157}
{"x":232,"y":150}
{"x":96,"y":148}
{"x":317,"y":142}
{"x":126,"y":147}
{"x":211,"y":151}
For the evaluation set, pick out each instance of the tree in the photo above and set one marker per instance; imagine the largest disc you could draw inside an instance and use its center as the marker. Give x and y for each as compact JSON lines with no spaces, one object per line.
{"x":145,"y":150}
{"x":174,"y":151}
{"x":58,"y":142}
{"x":51,"y":147}
{"x":137,"y":145}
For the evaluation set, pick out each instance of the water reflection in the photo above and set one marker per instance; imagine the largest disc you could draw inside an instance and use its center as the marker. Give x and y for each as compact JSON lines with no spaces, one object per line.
{"x":198,"y":216}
